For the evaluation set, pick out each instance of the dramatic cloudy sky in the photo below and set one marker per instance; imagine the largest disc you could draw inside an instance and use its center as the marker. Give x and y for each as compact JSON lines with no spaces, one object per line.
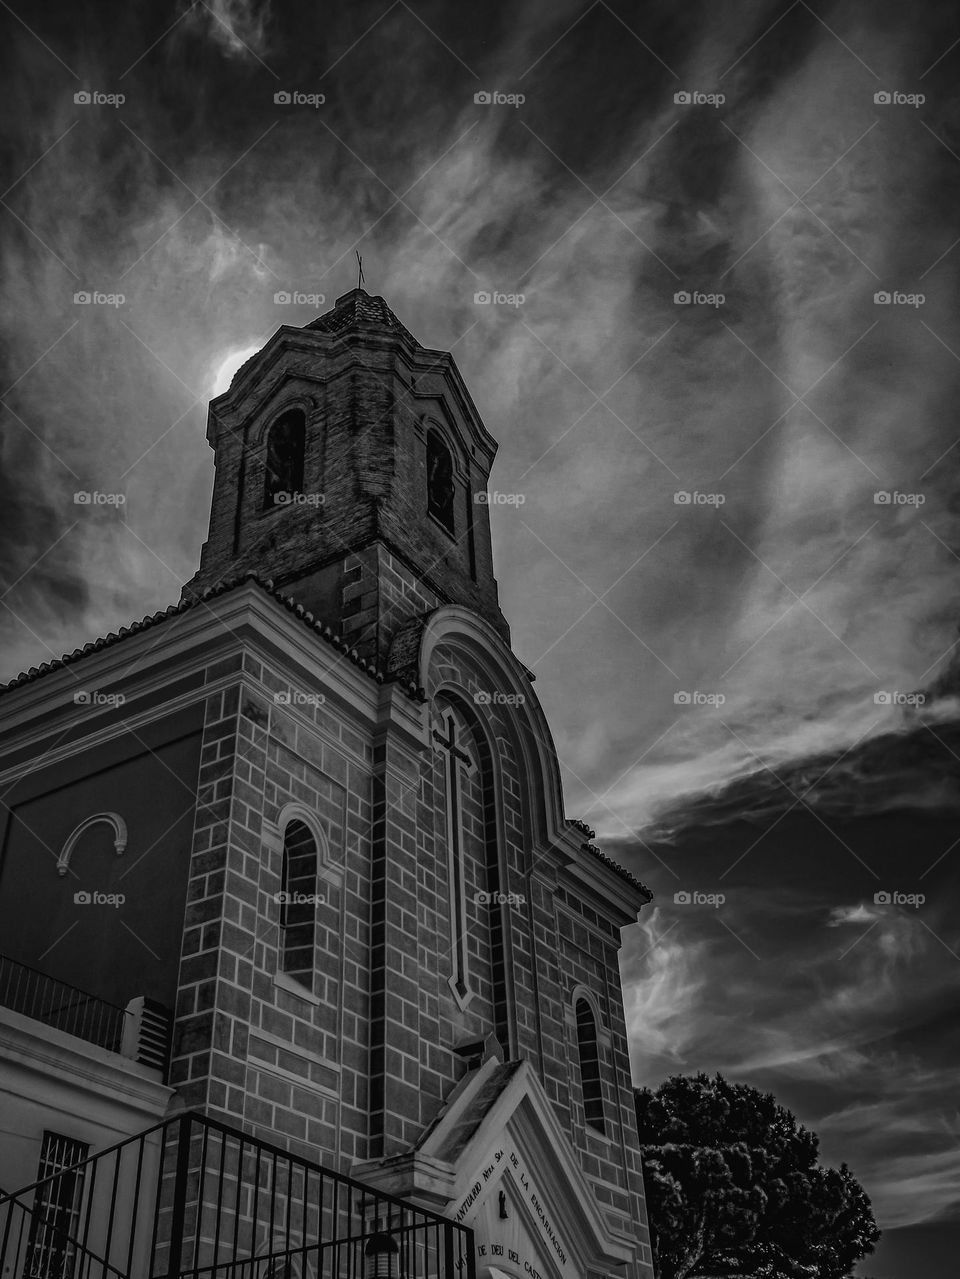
{"x":783,"y":406}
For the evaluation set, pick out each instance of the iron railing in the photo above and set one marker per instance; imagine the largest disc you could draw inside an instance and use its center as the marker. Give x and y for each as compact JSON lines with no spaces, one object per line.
{"x":192,"y":1198}
{"x":57,"y":1004}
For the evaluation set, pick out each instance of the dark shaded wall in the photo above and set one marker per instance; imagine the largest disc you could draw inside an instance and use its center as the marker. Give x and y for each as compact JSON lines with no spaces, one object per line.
{"x":114,"y":951}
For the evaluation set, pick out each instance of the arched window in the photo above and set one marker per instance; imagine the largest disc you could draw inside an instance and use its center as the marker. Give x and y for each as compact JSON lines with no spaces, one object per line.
{"x":298,"y":902}
{"x":440,"y":486}
{"x":284,"y":462}
{"x":589,"y":1065}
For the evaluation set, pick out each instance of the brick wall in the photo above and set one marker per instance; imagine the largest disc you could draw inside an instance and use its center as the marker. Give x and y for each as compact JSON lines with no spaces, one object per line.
{"x":359,"y":1065}
{"x":286,"y":1062}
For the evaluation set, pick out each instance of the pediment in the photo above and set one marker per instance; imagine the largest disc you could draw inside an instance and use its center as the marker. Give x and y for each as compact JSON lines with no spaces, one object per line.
{"x":497,"y":1160}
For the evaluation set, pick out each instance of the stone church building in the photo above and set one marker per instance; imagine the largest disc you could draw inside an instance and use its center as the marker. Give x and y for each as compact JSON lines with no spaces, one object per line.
{"x":304,"y":969}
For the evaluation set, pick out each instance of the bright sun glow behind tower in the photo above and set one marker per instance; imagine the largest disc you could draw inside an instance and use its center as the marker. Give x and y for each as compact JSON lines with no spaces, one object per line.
{"x":222,"y":373}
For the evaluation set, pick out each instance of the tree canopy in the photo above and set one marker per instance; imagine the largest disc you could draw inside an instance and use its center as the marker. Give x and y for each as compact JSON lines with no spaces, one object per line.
{"x":734,"y":1187}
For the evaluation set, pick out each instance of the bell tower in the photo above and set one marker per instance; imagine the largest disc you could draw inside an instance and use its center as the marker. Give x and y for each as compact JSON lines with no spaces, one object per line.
{"x":351,"y":469}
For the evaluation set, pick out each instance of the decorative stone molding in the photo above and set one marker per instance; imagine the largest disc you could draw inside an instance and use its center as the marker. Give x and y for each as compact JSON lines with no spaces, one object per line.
{"x":112,"y":819}
{"x":570,"y":1014}
{"x":272,"y":838}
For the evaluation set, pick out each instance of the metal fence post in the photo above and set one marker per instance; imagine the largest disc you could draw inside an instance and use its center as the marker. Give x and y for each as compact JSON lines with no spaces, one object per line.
{"x":178,"y":1218}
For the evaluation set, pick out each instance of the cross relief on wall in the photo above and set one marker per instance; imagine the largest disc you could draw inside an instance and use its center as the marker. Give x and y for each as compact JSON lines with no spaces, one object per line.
{"x":455,"y":761}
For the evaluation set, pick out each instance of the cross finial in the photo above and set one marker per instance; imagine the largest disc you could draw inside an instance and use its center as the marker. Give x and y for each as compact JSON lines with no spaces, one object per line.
{"x":359,"y":268}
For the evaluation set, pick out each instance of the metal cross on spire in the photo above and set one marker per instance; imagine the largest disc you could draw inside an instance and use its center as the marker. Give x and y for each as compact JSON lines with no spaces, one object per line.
{"x":359,"y":268}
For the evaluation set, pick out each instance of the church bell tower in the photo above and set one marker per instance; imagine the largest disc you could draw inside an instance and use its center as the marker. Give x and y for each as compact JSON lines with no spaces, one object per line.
{"x":351,"y":470}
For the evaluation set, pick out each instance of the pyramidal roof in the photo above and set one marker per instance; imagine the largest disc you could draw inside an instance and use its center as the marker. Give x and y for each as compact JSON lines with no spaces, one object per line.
{"x":358,"y":310}
{"x":353,"y":310}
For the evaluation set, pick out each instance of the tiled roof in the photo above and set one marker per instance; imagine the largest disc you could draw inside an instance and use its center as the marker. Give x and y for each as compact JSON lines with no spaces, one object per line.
{"x":352,"y":310}
{"x":458,"y":1138}
{"x":617,"y":869}
{"x":355,"y":309}
{"x":590,"y":833}
{"x":221,"y":588}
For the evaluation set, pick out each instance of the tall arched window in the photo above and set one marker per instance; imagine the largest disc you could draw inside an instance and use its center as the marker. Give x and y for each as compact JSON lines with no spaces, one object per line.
{"x":298,"y":902}
{"x":284,"y":461}
{"x":589,"y":1065}
{"x":440,"y":486}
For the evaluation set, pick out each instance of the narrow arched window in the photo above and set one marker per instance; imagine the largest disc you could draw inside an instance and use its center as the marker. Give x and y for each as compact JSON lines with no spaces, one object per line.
{"x":589,"y":1048}
{"x":440,"y":486}
{"x":298,"y":902}
{"x":284,"y":458}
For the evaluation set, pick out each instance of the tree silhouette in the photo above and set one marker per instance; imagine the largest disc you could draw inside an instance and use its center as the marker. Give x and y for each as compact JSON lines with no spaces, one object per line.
{"x":734,"y":1188}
